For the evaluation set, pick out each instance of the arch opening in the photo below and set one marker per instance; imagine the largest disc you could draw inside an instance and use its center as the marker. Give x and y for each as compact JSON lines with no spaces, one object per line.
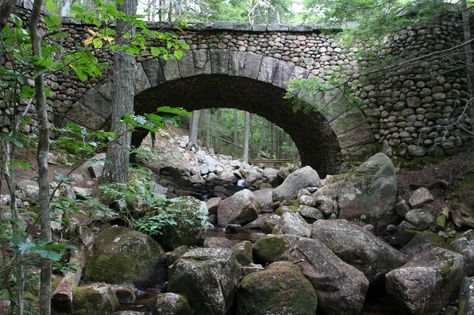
{"x":316,"y":142}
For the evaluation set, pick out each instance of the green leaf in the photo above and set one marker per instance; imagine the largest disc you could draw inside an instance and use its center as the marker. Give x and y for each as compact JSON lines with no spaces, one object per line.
{"x":173,"y":110}
{"x":97,"y":43}
{"x":52,"y":20}
{"x":50,"y":5}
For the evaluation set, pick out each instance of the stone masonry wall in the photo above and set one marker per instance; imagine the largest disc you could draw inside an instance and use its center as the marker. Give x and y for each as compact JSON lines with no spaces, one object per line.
{"x":412,"y":111}
{"x":416,"y":110}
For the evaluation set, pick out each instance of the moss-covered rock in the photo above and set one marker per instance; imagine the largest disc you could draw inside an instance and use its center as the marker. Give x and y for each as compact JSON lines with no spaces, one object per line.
{"x":243,"y":252}
{"x":172,"y":304}
{"x":425,"y":284}
{"x":367,"y":193}
{"x":358,"y":248}
{"x":121,"y":255}
{"x":279,"y":289}
{"x":189,"y":228}
{"x":268,"y":249}
{"x":207,"y":277}
{"x":94,"y":299}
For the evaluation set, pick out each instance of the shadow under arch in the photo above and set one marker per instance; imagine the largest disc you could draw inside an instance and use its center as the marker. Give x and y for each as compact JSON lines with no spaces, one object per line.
{"x":317,"y":143}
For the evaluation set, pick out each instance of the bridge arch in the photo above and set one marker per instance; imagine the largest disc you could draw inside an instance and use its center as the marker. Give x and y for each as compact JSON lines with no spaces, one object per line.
{"x":207,"y":78}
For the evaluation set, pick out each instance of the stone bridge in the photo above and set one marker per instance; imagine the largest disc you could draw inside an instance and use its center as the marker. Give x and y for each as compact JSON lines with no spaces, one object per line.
{"x":248,"y":67}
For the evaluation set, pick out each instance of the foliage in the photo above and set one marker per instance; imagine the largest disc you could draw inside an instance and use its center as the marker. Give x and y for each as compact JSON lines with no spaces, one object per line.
{"x":371,"y":20}
{"x":20,"y":251}
{"x":267,"y":141}
{"x":174,"y":212}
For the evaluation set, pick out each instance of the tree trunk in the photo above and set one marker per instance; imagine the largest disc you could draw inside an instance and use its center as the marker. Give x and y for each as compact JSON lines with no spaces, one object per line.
{"x":118,"y":154}
{"x":208,"y":129}
{"x":160,"y":10}
{"x":6,"y":8}
{"x":63,"y":295}
{"x":468,"y":56}
{"x":170,"y":11}
{"x":236,"y":125}
{"x":246,"y":137}
{"x":195,"y":126}
{"x":277,"y":14}
{"x":42,"y":160}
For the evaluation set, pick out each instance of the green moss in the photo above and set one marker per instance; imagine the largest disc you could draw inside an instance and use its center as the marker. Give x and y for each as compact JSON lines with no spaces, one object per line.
{"x":88,"y":300}
{"x":462,"y":306}
{"x":417,"y":163}
{"x":269,"y":248}
{"x":280,"y":289}
{"x":449,"y":261}
{"x":292,"y":202}
{"x":122,"y":255}
{"x":279,"y":211}
{"x":180,"y":306}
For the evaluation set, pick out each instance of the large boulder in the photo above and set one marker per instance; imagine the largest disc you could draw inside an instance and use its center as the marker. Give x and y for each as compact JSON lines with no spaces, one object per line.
{"x":240,"y":208}
{"x":207,"y":277}
{"x":280,"y":289}
{"x":269,"y":248}
{"x":358,"y":248}
{"x":191,"y":222}
{"x":367,"y":193}
{"x":464,"y":244}
{"x":264,"y":197}
{"x":172,"y":304}
{"x":95,"y":298}
{"x":466,"y":297}
{"x":121,"y":255}
{"x":292,"y":223}
{"x":424,"y":285}
{"x":340,"y":288}
{"x":299,"y":179}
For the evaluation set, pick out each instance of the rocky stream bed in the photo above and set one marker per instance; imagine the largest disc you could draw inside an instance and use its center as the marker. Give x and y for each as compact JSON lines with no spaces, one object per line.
{"x":281,"y":242}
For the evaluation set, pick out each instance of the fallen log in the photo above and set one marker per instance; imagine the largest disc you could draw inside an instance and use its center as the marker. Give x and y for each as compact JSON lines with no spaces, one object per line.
{"x":62,"y":297}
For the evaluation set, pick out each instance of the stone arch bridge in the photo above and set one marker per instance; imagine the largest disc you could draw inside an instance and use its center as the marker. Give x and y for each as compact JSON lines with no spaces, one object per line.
{"x":245,"y":67}
{"x":414,"y":111}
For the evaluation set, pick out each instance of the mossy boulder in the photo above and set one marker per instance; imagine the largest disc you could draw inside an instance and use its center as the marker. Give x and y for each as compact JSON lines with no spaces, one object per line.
{"x":122,"y":255}
{"x":207,"y":277}
{"x":367,"y":193}
{"x":280,"y":289}
{"x":425,"y":284}
{"x":268,"y":249}
{"x":341,"y":288}
{"x":358,"y":247}
{"x":243,"y":252}
{"x":96,"y":298}
{"x":172,"y":304}
{"x":191,"y":220}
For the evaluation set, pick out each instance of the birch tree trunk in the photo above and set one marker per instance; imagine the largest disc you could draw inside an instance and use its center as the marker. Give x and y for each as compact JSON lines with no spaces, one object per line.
{"x":468,"y":58}
{"x":42,"y":159}
{"x":246,"y":137}
{"x":195,"y":126}
{"x":118,"y":154}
